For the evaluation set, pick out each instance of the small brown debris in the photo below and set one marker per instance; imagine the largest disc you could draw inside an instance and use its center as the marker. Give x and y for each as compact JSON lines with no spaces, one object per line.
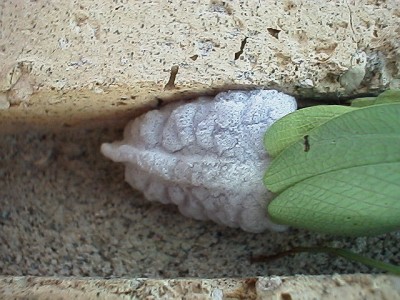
{"x":171,"y":82}
{"x":306,"y":144}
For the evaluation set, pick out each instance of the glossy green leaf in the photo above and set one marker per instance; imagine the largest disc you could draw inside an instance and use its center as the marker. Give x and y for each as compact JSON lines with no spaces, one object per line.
{"x":357,"y":201}
{"x":365,"y":136}
{"x":294,"y":126}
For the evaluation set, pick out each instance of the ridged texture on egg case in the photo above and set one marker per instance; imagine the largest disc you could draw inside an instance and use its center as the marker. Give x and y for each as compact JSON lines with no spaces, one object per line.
{"x":205,"y":156}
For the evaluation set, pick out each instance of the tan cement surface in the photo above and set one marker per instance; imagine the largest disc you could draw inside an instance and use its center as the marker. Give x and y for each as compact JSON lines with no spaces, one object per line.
{"x":69,"y":62}
{"x":298,"y":287}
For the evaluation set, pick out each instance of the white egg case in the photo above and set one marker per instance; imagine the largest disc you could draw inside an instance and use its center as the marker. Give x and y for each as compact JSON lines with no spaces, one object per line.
{"x":206,"y":156}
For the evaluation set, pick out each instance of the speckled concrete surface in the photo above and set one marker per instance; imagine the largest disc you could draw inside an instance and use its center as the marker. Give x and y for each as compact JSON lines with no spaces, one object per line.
{"x":65,"y":210}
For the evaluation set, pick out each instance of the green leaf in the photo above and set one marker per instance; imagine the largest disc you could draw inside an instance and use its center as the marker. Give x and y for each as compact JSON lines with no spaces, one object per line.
{"x":389,"y":96}
{"x":362,"y":102}
{"x":294,"y":126}
{"x":358,"y":201}
{"x":364,"y":136}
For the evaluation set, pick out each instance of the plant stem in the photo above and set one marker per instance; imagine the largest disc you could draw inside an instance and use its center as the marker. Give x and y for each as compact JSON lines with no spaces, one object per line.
{"x":393,"y":269}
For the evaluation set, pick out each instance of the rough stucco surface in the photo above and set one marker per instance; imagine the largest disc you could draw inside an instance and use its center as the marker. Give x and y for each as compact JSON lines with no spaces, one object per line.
{"x":298,"y":287}
{"x":303,"y":47}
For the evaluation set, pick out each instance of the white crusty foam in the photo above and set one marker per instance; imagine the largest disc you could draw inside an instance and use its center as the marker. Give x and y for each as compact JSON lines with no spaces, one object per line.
{"x":205,"y":156}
